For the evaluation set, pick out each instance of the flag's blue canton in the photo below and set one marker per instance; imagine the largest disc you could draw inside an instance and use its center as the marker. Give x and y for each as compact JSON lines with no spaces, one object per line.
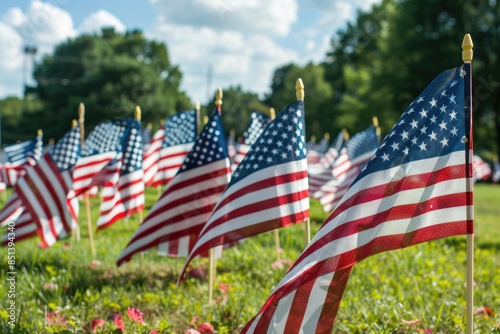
{"x":322,"y":147}
{"x":338,"y":142}
{"x":432,"y":126}
{"x":132,"y":141}
{"x":146,"y":136}
{"x":209,"y":147}
{"x":66,"y":151}
{"x":18,"y":152}
{"x":180,"y":128}
{"x":362,"y":142}
{"x":105,"y":137}
{"x":282,"y":141}
{"x":256,"y":125}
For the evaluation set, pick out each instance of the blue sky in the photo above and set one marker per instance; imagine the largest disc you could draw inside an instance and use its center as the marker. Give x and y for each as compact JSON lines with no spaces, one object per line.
{"x":241,"y":41}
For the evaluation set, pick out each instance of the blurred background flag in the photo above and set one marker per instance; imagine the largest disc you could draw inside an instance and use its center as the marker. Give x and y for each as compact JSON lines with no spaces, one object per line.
{"x":123,"y":191}
{"x":43,"y":191}
{"x":353,"y":156}
{"x":255,"y":127}
{"x":178,"y":134}
{"x":174,"y":221}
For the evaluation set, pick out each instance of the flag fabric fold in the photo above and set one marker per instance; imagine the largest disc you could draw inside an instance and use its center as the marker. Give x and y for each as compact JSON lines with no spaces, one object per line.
{"x":268,"y":190}
{"x":174,"y":221}
{"x":414,"y":189}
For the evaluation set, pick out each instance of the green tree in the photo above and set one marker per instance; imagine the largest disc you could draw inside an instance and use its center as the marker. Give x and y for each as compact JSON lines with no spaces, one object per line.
{"x":318,"y":93}
{"x":110,"y":73}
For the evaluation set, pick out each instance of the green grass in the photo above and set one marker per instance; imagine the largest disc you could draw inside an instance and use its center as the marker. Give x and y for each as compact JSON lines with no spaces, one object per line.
{"x":423,"y":282}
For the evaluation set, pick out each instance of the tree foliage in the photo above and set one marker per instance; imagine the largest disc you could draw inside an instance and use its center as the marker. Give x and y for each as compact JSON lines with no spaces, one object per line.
{"x":111,"y":73}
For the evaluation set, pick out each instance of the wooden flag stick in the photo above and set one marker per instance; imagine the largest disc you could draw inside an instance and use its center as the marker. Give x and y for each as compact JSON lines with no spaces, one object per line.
{"x":75,"y":233}
{"x":272,"y":114}
{"x":467,"y":59}
{"x":300,"y":94}
{"x":137,"y":116}
{"x":81,"y":121}
{"x":212,"y":265}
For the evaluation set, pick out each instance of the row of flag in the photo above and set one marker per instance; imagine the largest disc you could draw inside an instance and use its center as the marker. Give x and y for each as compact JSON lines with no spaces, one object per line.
{"x":409,"y":188}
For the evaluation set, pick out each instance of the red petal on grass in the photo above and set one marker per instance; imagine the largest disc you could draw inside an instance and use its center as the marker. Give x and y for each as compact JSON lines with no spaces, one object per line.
{"x":154,"y":331}
{"x":425,"y":330}
{"x":55,"y":319}
{"x":206,"y":327}
{"x":117,"y":320}
{"x":411,"y":322}
{"x":135,"y":315}
{"x":191,"y":331}
{"x":484,"y":311}
{"x":94,"y":323}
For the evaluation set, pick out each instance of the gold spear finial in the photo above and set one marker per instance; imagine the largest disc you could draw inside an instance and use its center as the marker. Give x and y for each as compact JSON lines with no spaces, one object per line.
{"x":162,"y":123}
{"x":149,"y":126}
{"x":205,"y":119}
{"x":346,"y":134}
{"x":39,"y":132}
{"x":327,"y":136}
{"x":467,"y":49}
{"x":137,"y":113}
{"x":272,"y":113}
{"x":313,"y":138}
{"x":218,"y":98}
{"x":375,"y":124}
{"x":299,"y":89}
{"x":51,"y":141}
{"x":232,"y":133}
{"x":74,"y":123}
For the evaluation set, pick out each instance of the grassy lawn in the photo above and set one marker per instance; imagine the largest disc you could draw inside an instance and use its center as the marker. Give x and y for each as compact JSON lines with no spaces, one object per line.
{"x":424,"y":282}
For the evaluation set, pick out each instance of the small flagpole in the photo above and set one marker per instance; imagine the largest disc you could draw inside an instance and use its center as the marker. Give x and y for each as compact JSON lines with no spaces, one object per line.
{"x":300,"y":94}
{"x":81,"y":121}
{"x":272,"y":114}
{"x":467,"y":59}
{"x":212,"y":260}
{"x":137,"y":116}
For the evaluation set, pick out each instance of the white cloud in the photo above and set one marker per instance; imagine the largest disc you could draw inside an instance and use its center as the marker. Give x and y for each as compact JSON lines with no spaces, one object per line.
{"x":233,"y":57}
{"x":232,"y":37}
{"x":102,"y":18}
{"x":251,"y":16}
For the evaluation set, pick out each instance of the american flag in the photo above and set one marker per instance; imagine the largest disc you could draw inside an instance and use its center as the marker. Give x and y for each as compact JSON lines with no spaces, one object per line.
{"x":316,"y":151}
{"x":99,"y":156}
{"x":123,"y":191}
{"x":321,"y":173}
{"x":413,"y":190}
{"x":11,"y":210}
{"x":268,"y":190}
{"x":177,"y":217}
{"x":17,"y":157}
{"x":163,"y":159}
{"x":43,"y":191}
{"x":356,"y":152}
{"x":481,"y":170}
{"x":255,"y":127}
